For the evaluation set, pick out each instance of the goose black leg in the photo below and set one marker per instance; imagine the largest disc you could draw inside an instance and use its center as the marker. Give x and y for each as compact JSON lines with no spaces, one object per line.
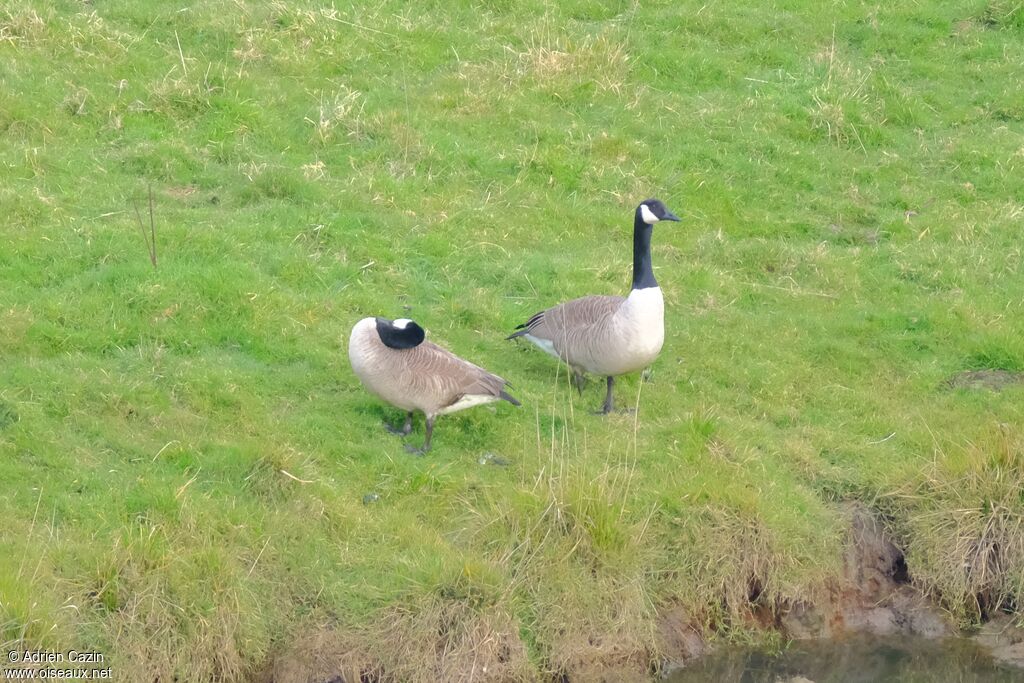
{"x":405,"y":430}
{"x":609,"y":402}
{"x":426,"y":444}
{"x":579,"y":380}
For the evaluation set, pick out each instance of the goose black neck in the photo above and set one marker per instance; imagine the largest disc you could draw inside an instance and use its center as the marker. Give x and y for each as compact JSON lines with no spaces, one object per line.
{"x":643,"y":273}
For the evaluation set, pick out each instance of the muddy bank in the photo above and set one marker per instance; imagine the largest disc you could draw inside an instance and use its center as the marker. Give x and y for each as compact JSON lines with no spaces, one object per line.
{"x":875,"y":596}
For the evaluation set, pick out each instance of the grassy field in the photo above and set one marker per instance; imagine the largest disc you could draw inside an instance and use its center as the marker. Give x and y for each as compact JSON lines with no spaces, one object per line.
{"x":194,"y":483}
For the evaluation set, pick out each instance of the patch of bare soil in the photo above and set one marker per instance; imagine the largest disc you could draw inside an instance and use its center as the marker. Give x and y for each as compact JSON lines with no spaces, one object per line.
{"x":680,"y":639}
{"x":1003,"y":637}
{"x":181,"y":191}
{"x":875,"y":595}
{"x":996,"y":380}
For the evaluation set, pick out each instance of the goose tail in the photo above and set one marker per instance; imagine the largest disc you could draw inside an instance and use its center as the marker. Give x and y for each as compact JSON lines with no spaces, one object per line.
{"x":505,"y":396}
{"x":522,"y":330}
{"x":525,"y":328}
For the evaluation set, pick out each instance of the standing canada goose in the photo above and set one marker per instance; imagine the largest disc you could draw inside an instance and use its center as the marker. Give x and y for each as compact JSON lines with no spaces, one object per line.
{"x":393,"y":361}
{"x":609,"y":335}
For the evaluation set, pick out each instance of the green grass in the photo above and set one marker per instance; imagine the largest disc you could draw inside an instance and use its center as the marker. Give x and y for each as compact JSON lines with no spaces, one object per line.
{"x":185,"y":450}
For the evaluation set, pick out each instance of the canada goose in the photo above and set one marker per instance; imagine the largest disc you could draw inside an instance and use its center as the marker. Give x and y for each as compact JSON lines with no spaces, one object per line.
{"x":609,"y":335}
{"x":393,"y":361}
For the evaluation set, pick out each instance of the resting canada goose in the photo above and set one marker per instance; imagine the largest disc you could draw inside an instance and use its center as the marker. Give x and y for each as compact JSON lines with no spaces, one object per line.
{"x":393,"y":361}
{"x":609,"y":335}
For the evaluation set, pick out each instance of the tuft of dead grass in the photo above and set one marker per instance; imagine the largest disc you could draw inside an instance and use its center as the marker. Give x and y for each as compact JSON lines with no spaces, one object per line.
{"x":961,"y":522}
{"x":740,"y":571}
{"x":322,"y":652}
{"x":555,"y":66}
{"x":21,"y":26}
{"x":449,"y":640}
{"x":601,"y":61}
{"x":845,"y":104}
{"x":1003,"y":14}
{"x":340,"y":110}
{"x":426,"y":640}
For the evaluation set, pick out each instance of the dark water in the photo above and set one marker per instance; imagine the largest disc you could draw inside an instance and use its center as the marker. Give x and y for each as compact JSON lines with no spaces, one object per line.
{"x":860,"y":659}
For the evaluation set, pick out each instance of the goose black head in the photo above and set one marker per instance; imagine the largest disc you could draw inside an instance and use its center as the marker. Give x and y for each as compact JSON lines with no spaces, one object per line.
{"x":400,"y":334}
{"x":652,"y":210}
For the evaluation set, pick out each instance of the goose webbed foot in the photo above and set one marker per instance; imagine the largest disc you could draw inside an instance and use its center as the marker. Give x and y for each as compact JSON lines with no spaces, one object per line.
{"x":608,"y":410}
{"x":404,"y":431}
{"x":409,"y":448}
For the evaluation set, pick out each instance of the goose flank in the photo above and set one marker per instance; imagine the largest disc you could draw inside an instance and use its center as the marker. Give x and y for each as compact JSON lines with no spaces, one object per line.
{"x":394,"y":361}
{"x":609,"y":335}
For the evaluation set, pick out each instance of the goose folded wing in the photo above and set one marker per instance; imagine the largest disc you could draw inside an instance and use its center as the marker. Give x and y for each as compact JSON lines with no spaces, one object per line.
{"x":451,"y":378}
{"x":575,"y":316}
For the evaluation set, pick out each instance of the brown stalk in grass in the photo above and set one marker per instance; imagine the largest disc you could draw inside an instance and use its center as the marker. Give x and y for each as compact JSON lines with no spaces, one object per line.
{"x":149,"y":238}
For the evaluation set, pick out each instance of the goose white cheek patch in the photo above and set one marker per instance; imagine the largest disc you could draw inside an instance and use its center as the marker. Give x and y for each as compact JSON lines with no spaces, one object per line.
{"x":402,"y":323}
{"x":648,"y":215}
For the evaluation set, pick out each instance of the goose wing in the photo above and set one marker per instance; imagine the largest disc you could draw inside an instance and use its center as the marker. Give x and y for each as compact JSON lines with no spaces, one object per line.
{"x":576,"y":318}
{"x":448,"y":378}
{"x":579,"y":332}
